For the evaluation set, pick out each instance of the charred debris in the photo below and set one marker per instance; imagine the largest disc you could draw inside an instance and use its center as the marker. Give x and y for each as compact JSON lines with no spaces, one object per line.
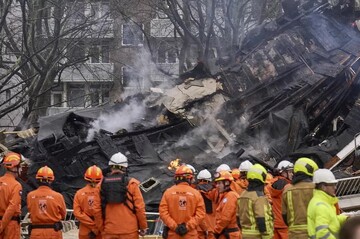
{"x":291,"y":90}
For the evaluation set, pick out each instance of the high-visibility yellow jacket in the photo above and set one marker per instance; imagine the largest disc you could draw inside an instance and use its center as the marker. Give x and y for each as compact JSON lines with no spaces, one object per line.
{"x":295,"y":200}
{"x":255,"y":215}
{"x":321,"y":216}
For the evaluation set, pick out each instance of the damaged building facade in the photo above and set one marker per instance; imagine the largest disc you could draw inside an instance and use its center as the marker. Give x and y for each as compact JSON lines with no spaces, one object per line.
{"x":292,"y":90}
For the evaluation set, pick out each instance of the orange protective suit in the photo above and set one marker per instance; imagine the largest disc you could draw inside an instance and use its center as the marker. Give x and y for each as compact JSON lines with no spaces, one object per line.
{"x":182,"y":204}
{"x":85,"y":200}
{"x":46,"y":207}
{"x":131,"y":220}
{"x":10,"y":205}
{"x":226,"y":215}
{"x":208,"y":224}
{"x":280,"y":228}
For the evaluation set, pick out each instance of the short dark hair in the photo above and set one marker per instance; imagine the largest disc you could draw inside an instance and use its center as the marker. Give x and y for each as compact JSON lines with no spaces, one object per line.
{"x":347,"y":231}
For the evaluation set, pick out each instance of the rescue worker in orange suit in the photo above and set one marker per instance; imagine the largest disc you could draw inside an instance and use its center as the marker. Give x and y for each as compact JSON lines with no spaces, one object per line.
{"x":204,"y":185}
{"x":226,"y":224}
{"x":46,"y":207}
{"x":234,"y":186}
{"x":254,"y":210}
{"x":276,"y":189}
{"x":181,"y":207}
{"x":296,"y":197}
{"x":122,"y":201}
{"x":85,"y":200}
{"x":10,"y":197}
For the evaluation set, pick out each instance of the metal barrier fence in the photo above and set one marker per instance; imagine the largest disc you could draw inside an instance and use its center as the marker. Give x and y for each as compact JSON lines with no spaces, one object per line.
{"x":348,"y":186}
{"x":70,"y":223}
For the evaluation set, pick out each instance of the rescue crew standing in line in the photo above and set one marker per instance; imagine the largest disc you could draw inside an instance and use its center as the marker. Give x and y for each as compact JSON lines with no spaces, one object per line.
{"x":182,"y":207}
{"x":10,"y":197}
{"x":323,"y":222}
{"x":226,"y":225}
{"x":296,"y":198}
{"x":46,"y":207}
{"x":85,"y":200}
{"x":254,"y":210}
{"x":122,"y":202}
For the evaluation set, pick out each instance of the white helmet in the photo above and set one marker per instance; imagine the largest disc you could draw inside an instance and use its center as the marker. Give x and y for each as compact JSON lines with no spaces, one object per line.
{"x":283,"y":165}
{"x":245,"y":166}
{"x":119,"y":159}
{"x":324,"y":176}
{"x":223,"y":167}
{"x":192,"y":168}
{"x":204,"y":174}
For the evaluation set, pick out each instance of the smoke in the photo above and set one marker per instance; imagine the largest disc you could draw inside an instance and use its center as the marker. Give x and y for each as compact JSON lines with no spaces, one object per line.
{"x":130,"y":113}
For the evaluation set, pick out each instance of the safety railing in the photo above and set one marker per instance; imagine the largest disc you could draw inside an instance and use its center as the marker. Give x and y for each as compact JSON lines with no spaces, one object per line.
{"x":348,"y":186}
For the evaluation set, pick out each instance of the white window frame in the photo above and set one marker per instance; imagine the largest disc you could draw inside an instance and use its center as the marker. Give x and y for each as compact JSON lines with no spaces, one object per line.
{"x":101,"y":50}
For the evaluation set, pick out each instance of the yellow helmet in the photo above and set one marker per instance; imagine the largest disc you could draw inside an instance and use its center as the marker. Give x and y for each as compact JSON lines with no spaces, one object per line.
{"x":305,"y":165}
{"x":257,"y":171}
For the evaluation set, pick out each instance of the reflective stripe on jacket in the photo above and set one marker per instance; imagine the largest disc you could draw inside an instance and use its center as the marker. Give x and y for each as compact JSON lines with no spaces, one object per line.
{"x":252,"y":207}
{"x":295,"y":201}
{"x":323,"y":223}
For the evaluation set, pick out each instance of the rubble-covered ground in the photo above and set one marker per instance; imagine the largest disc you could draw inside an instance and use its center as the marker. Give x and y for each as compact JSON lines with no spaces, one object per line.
{"x":292,"y":90}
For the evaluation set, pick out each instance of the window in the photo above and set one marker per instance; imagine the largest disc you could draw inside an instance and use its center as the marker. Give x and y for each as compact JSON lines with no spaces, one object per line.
{"x":99,"y":94}
{"x":77,"y":10}
{"x":167,"y":55}
{"x":77,"y":52}
{"x":76,"y":95}
{"x":131,"y":79}
{"x":100,"y":9}
{"x":99,"y":54}
{"x":56,"y":100}
{"x":132,"y":34}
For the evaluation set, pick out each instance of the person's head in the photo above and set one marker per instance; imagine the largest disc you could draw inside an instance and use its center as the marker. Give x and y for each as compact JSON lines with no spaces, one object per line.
{"x":244,"y":168}
{"x":118,"y":163}
{"x":350,"y":229}
{"x":12,"y":162}
{"x":325,"y":181}
{"x":305,"y":166}
{"x":204,"y":176}
{"x":45,"y":176}
{"x":223,"y":180}
{"x":286,"y":169}
{"x":194,"y":172}
{"x":257,"y":173}
{"x":223,"y":167}
{"x":93,"y":175}
{"x":235,"y":172}
{"x":184,"y":174}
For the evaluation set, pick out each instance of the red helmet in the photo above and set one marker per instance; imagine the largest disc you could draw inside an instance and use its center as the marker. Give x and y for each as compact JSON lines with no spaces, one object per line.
{"x":235,"y":173}
{"x":223,"y":176}
{"x":12,"y":160}
{"x":93,"y":174}
{"x":184,"y":171}
{"x":45,"y":173}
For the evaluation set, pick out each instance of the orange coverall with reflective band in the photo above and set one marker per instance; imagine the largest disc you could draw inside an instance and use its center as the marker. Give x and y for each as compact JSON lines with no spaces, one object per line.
{"x":226,"y":215}
{"x":120,"y":222}
{"x":208,"y":224}
{"x":10,"y":206}
{"x":182,"y":204}
{"x":85,"y":200}
{"x":45,"y":207}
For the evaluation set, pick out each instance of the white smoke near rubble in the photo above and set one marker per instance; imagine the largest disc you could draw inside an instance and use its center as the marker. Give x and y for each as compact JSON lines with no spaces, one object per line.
{"x":134,"y":111}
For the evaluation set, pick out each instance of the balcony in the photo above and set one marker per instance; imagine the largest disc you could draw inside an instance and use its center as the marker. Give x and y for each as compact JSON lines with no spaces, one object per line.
{"x":89,"y":72}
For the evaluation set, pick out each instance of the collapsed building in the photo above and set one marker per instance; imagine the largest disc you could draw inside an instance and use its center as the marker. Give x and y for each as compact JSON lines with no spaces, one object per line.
{"x":291,"y":90}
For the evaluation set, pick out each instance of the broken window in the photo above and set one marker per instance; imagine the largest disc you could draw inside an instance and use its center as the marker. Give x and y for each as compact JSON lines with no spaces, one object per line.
{"x":132,"y":34}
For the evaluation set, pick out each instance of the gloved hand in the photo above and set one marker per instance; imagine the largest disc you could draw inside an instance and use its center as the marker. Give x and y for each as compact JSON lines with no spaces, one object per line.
{"x":92,"y":235}
{"x":142,"y":232}
{"x":181,"y":229}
